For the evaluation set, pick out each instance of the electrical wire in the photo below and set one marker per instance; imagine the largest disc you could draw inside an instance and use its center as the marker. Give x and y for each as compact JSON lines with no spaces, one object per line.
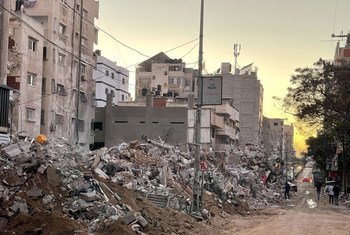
{"x":104,"y":31}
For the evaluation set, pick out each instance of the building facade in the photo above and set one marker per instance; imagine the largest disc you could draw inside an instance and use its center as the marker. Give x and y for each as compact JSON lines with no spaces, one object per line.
{"x":171,"y":120}
{"x":109,"y":78}
{"x":246,"y":92}
{"x":164,"y":77}
{"x":56,"y":68}
{"x":25,"y":65}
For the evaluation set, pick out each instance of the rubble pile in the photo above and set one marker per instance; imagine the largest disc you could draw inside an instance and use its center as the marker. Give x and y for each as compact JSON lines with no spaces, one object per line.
{"x":143,"y":188}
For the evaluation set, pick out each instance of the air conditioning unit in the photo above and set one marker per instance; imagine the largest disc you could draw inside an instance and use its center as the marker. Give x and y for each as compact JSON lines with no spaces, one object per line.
{"x":53,"y":127}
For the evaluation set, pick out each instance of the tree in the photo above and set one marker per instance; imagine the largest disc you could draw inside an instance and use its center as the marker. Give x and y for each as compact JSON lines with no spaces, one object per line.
{"x":321,"y":148}
{"x":319,"y":95}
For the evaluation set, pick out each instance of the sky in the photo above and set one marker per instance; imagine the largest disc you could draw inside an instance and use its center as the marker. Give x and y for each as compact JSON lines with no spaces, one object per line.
{"x":277,"y":35}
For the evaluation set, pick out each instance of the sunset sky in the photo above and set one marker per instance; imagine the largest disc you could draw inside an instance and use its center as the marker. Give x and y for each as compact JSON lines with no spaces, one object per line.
{"x":277,"y":35}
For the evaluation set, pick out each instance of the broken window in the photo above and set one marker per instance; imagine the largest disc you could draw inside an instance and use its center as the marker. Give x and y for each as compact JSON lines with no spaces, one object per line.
{"x":83,"y":97}
{"x":97,"y":126}
{"x":62,"y":29}
{"x":59,"y":119}
{"x":31,"y":79}
{"x":61,"y":59}
{"x":81,"y":125}
{"x":53,"y":86}
{"x":32,"y":44}
{"x":30,"y":114}
{"x":43,"y":86}
{"x":60,"y":90}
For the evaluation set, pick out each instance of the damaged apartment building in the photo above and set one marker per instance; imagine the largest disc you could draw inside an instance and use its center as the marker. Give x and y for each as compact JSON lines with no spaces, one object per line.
{"x":43,"y":54}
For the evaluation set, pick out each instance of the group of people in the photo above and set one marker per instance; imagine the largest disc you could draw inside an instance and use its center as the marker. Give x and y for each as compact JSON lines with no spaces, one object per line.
{"x":333,"y":191}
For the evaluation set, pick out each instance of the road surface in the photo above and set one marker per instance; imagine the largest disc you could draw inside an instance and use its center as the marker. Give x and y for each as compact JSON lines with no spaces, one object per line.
{"x":302,"y":215}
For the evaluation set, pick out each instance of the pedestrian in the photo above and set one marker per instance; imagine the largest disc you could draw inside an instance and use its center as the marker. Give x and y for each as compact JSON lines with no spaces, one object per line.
{"x":331,"y":194}
{"x":336,"y":191}
{"x":318,"y":189}
{"x":286,"y":190}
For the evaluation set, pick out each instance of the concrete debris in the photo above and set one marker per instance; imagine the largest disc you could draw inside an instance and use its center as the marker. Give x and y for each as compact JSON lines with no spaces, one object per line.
{"x":82,"y":185}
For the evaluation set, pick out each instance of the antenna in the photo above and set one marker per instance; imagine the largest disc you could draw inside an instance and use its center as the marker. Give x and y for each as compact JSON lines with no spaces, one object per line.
{"x":347,"y":36}
{"x":236,"y":53}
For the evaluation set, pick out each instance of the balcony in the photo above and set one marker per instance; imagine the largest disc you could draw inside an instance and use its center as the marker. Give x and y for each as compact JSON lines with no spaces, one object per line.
{"x":226,"y":109}
{"x":227,"y":131}
{"x":217,"y":121}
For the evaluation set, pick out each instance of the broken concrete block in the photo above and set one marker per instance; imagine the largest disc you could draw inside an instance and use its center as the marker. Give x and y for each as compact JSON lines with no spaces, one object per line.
{"x":101,"y":174}
{"x":16,"y":149}
{"x":48,"y":199}
{"x":20,"y":207}
{"x":129,"y":218}
{"x":53,"y":177}
{"x":90,"y":196}
{"x":35,"y":192}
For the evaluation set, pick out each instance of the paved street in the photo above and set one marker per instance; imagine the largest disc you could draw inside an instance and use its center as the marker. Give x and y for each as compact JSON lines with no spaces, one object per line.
{"x":303,"y":214}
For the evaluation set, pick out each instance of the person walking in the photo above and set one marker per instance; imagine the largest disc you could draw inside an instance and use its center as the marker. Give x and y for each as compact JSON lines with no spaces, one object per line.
{"x":331,"y":194}
{"x":318,"y":189}
{"x":286,"y":190}
{"x":336,"y":191}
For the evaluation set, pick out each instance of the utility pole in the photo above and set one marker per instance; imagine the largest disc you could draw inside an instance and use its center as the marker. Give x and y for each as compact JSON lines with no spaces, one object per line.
{"x":197,"y":198}
{"x":79,"y":73}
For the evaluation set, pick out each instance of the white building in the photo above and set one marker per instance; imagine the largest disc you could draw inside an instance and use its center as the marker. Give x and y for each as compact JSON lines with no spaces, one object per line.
{"x":109,"y":78}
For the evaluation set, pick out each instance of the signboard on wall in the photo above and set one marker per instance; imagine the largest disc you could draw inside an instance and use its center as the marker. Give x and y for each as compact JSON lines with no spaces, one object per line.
{"x":212,"y":90}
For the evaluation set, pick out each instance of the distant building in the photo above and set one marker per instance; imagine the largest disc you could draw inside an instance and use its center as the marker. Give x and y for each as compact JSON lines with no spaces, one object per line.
{"x":278,"y":138}
{"x":171,"y":120}
{"x":164,"y":77}
{"x":109,"y":78}
{"x":246,"y":92}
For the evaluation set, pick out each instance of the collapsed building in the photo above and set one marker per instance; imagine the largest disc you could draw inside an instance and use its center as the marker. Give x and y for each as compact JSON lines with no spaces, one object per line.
{"x":125,"y":184}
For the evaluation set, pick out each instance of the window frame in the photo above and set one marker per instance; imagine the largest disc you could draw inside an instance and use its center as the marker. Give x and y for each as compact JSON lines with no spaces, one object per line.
{"x":32,"y":44}
{"x":31,"y":79}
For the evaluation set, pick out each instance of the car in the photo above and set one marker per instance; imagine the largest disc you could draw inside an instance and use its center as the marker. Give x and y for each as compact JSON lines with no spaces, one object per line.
{"x":306,"y":180}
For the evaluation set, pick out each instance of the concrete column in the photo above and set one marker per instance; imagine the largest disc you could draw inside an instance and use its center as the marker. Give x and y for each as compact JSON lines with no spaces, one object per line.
{"x":4,"y":31}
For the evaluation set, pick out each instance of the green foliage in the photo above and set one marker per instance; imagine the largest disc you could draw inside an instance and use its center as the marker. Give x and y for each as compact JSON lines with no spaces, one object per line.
{"x":321,"y":148}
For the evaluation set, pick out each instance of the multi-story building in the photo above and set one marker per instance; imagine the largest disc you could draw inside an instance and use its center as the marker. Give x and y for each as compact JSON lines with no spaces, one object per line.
{"x":109,"y":78}
{"x":246,"y":92}
{"x":164,"y":76}
{"x":4,"y":22}
{"x":54,"y":53}
{"x":25,"y":64}
{"x":278,"y":138}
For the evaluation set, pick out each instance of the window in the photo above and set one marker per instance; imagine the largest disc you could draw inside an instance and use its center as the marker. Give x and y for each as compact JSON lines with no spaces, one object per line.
{"x":122,"y":97}
{"x":61,"y":59}
{"x":60,"y":90}
{"x":85,"y":13}
{"x":53,"y":86}
{"x":62,"y":29}
{"x":97,"y":126}
{"x":31,"y":79}
{"x":84,"y":41}
{"x":54,"y":54}
{"x":83,"y":97}
{"x":173,"y":80}
{"x":175,"y":68}
{"x":42,"y":118}
{"x":112,"y":75}
{"x":43,"y":86}
{"x":123,"y":81}
{"x":81,"y":125}
{"x":30,"y":114}
{"x":32,"y":44}
{"x":165,"y":72}
{"x":59,"y":119}
{"x":83,"y":68}
{"x":275,"y":124}
{"x":107,"y":73}
{"x":44,"y":54}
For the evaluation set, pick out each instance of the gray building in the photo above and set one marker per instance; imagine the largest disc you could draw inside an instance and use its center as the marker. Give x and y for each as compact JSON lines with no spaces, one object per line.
{"x":246,"y":92}
{"x":171,"y":120}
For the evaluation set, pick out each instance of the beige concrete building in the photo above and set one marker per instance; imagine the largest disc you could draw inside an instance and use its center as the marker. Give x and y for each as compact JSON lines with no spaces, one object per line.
{"x":164,"y":77}
{"x":246,"y":92}
{"x":25,"y":65}
{"x":60,"y":53}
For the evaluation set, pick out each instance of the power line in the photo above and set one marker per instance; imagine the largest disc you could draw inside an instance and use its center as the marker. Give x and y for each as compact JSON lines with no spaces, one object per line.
{"x":184,"y":44}
{"x":104,"y":31}
{"x":189,"y":51}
